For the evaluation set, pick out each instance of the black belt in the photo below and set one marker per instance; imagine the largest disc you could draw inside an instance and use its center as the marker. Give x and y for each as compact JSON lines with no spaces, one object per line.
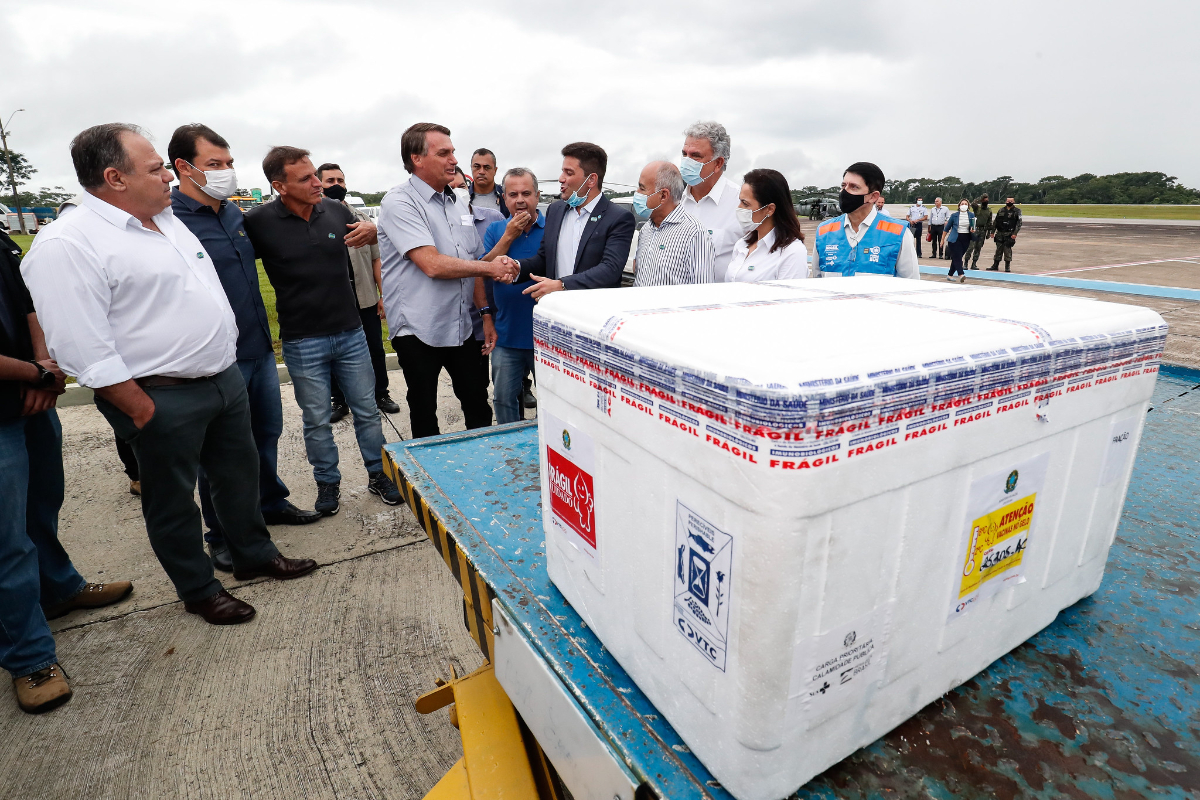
{"x":152,"y":381}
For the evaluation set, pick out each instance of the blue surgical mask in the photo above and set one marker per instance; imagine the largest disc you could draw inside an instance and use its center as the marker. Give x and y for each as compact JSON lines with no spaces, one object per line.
{"x":575,"y":201}
{"x":639,"y":205}
{"x":690,"y":168}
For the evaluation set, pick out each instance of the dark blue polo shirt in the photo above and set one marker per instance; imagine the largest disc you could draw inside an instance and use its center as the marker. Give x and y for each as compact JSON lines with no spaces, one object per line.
{"x":224,"y":238}
{"x":514,"y":310}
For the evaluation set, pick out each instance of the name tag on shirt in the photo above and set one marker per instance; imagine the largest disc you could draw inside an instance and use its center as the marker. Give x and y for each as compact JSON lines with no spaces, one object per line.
{"x":467,"y":219}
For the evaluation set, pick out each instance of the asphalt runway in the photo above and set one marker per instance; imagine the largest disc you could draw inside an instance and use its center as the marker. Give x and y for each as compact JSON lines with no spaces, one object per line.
{"x":1155,"y":255}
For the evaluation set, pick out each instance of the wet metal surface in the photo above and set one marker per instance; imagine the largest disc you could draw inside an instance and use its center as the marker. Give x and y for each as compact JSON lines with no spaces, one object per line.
{"x":1105,"y":702}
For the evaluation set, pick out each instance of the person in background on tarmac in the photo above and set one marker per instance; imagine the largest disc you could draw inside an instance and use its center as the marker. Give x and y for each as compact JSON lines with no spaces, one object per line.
{"x":917,"y":214}
{"x":959,"y":230}
{"x":484,"y":193}
{"x":879,"y":207}
{"x":983,"y":230}
{"x":367,"y":287}
{"x":1007,"y":226}
{"x":937,"y":226}
{"x":772,"y":247}
{"x":861,"y":240}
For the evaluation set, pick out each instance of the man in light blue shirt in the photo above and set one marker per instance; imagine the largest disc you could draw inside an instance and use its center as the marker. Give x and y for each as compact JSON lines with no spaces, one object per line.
{"x":428,"y":244}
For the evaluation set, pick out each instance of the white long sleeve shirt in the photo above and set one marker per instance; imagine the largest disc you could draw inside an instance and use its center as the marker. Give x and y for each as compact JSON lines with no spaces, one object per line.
{"x":119,"y":301}
{"x":717,"y":212}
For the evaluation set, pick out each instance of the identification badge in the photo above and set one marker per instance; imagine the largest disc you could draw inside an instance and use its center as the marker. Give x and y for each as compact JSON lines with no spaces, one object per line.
{"x":467,"y":219}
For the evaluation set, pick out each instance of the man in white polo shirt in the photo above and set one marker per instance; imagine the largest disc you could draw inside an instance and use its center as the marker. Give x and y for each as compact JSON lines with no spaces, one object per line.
{"x":711,"y":198}
{"x":133,"y":308}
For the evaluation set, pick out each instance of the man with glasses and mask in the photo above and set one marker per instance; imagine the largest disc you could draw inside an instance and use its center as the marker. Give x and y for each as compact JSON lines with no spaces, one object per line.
{"x":711,"y":197}
{"x":587,"y":238}
{"x":861,"y":240}
{"x":201,"y":160}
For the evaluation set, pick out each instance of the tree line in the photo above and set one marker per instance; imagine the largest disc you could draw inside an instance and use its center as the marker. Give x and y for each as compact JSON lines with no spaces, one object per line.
{"x":1134,"y":188}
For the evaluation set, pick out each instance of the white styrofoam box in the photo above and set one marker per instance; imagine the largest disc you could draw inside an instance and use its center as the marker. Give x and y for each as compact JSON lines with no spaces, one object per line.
{"x":797,"y":512}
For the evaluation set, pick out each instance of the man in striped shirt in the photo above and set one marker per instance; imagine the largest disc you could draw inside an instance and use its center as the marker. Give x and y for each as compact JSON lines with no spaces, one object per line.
{"x":674,"y":248}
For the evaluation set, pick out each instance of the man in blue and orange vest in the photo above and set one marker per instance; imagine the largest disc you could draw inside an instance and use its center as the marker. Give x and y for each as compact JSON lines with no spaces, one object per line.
{"x":861,"y":240}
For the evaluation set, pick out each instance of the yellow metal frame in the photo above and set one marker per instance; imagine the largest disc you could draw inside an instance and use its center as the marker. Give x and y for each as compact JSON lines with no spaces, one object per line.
{"x":501,"y":758}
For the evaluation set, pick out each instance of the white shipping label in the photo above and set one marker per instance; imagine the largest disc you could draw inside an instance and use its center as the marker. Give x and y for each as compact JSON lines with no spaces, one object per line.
{"x":569,"y":466}
{"x":703,"y":584}
{"x":838,"y":667}
{"x":1000,"y":519}
{"x":1119,"y":450}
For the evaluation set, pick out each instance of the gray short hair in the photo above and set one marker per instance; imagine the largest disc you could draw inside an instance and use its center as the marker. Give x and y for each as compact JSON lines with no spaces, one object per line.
{"x":667,"y":177}
{"x":98,"y":148}
{"x":520,"y":172}
{"x":716,"y":134}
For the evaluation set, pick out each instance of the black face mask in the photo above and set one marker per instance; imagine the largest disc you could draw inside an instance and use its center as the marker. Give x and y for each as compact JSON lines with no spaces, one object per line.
{"x":850,"y":203}
{"x":983,"y":203}
{"x":1009,"y":204}
{"x":336,"y":192}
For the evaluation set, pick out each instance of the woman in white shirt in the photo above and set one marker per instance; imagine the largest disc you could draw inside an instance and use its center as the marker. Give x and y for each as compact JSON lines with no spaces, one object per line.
{"x":772,"y":247}
{"x":960,"y":229}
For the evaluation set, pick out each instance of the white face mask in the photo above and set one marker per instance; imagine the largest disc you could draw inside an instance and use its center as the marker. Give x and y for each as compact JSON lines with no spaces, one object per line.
{"x":963,"y":207}
{"x":745,"y":218}
{"x":462,"y":194}
{"x":920,"y":203}
{"x":220,"y":184}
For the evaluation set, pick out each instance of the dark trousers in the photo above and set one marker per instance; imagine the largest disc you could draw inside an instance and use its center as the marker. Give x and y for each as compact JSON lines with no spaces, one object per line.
{"x":128,"y":459}
{"x":373,"y":329}
{"x":917,"y":228}
{"x":266,"y":423}
{"x":935,"y":242}
{"x":204,"y":423}
{"x":956,"y":250}
{"x":422,"y":364}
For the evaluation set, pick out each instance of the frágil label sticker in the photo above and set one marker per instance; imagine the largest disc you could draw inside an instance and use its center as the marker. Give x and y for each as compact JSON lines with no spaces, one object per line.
{"x":1001,"y":510}
{"x":570,"y":467}
{"x":703,"y":584}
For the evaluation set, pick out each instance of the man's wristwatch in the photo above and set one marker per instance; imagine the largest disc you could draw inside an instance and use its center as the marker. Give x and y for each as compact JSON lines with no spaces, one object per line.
{"x":45,"y":378}
{"x":487,"y":311}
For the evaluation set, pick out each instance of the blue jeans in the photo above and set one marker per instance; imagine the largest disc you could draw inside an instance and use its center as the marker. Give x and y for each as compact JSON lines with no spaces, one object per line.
{"x":266,"y":423}
{"x":35,"y":570}
{"x":311,"y":363}
{"x":510,"y":365}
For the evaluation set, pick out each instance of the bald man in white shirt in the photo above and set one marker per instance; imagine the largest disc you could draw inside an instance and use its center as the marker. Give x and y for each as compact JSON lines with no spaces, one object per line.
{"x":133,"y":308}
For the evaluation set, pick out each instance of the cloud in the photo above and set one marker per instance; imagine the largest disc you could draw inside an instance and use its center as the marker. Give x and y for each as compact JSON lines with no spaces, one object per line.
{"x":804,"y":87}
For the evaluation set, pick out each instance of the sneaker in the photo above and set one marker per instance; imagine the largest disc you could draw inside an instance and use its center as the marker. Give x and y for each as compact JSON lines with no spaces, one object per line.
{"x":962,"y":278}
{"x":328,"y":495}
{"x":43,"y":690}
{"x":381,"y":485}
{"x":950,"y":278}
{"x":386,"y":404}
{"x":340,"y":410}
{"x":528,"y":400}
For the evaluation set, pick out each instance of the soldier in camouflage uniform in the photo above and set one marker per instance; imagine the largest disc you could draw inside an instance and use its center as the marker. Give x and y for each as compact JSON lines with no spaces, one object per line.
{"x":983,"y":229}
{"x":1008,"y":225}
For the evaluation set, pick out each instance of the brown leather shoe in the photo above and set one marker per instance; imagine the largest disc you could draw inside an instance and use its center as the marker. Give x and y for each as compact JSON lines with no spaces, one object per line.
{"x":279,"y":568}
{"x":94,"y":595}
{"x":221,"y":608}
{"x":135,"y":488}
{"x":42,"y":690}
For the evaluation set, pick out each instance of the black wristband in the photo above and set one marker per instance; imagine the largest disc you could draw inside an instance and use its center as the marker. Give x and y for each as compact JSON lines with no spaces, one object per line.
{"x":487,"y":311}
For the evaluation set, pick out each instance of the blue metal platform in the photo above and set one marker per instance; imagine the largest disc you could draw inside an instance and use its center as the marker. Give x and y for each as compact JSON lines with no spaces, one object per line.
{"x":1105,"y":702}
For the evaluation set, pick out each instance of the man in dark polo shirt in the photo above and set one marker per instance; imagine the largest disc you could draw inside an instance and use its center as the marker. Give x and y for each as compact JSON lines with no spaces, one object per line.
{"x":301,"y":240}
{"x":201,"y":158}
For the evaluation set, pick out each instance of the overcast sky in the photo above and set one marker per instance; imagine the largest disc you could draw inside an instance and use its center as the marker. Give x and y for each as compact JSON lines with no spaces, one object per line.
{"x":928,"y":89}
